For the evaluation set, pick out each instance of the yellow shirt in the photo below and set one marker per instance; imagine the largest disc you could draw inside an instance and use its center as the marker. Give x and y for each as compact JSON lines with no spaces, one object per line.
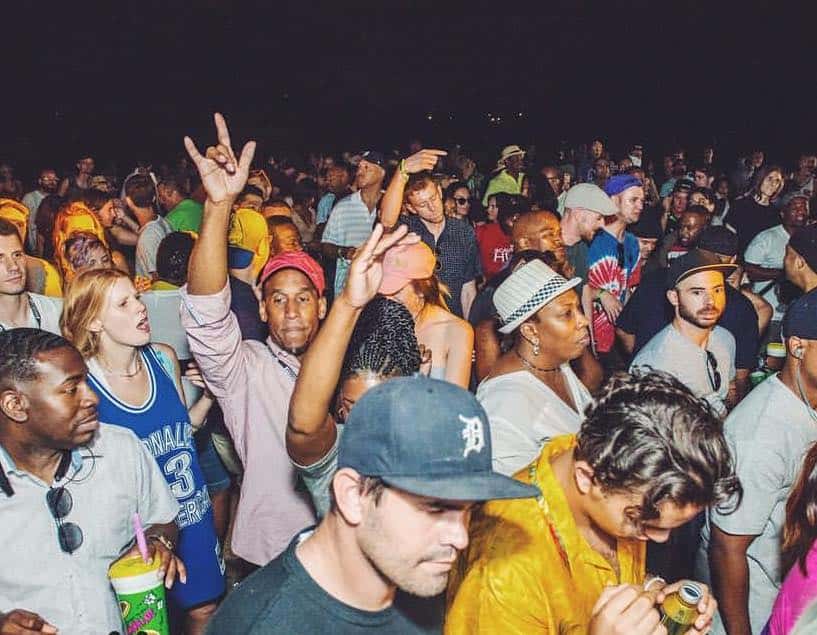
{"x":527,"y":568}
{"x":503,"y":182}
{"x":42,"y":277}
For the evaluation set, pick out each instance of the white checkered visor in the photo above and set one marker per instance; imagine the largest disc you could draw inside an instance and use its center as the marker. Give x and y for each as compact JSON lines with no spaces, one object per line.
{"x":554,"y":287}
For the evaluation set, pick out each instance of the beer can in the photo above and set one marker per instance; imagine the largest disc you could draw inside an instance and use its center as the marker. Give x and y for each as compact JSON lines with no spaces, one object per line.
{"x":680,"y":610}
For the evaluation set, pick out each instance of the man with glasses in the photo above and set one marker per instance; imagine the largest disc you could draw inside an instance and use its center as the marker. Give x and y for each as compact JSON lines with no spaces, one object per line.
{"x":693,"y":348}
{"x":769,"y":432}
{"x":46,"y":184}
{"x":611,"y":259}
{"x":68,"y":491}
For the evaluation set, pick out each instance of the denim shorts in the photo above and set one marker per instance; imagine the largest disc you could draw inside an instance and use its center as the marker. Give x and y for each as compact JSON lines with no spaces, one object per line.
{"x":216,"y":476}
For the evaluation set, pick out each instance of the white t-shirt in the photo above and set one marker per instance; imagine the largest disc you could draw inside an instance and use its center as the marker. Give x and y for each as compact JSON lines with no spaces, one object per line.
{"x":525,"y":414}
{"x":43,"y":313}
{"x":682,"y":358}
{"x":768,"y":434}
{"x":768,"y":249}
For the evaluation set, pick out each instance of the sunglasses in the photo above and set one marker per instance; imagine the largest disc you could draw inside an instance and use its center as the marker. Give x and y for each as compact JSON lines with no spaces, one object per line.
{"x":60,"y":504}
{"x":712,"y":371}
{"x":460,"y":200}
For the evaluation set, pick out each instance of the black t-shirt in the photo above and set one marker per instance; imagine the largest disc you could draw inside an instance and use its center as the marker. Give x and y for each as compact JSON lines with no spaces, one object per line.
{"x":281,"y":597}
{"x":648,"y":311}
{"x":749,"y":218}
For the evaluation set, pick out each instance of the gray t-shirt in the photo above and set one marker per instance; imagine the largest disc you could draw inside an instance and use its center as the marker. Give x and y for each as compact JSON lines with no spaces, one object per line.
{"x":150,"y":236}
{"x":577,"y":256}
{"x":768,"y":433}
{"x":679,"y":356}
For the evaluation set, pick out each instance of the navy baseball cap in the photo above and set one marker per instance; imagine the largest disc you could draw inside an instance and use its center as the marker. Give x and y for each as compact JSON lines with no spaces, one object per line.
{"x":617,"y":184}
{"x":801,"y":317}
{"x":426,"y":437}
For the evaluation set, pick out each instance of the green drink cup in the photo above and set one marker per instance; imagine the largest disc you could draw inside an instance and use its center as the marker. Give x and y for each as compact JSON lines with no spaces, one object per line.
{"x":141,"y":595}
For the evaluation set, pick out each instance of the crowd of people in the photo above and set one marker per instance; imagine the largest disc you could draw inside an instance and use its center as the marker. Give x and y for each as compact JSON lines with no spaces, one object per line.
{"x":402,"y":393}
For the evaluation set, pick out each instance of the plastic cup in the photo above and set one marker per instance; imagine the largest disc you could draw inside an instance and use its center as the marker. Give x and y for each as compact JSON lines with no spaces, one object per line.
{"x":141,"y":595}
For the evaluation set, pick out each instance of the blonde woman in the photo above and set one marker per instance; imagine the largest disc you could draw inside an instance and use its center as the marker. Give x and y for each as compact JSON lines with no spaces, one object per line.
{"x":447,"y":342}
{"x":139,"y":387}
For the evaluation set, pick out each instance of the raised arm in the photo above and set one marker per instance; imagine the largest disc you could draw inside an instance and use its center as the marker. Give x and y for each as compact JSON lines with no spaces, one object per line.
{"x":311,"y":430}
{"x":223,"y":177}
{"x":392,"y":200}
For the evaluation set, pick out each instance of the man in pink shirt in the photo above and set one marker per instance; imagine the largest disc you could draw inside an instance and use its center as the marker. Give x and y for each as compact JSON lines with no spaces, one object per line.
{"x":253,"y":381}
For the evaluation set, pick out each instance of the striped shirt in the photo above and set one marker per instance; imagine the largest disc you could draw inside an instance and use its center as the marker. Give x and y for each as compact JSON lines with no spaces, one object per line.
{"x":349,"y":225}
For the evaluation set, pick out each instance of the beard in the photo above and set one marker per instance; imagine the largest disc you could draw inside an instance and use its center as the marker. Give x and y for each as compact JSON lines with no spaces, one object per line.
{"x":696,"y":319}
{"x":403,"y":570}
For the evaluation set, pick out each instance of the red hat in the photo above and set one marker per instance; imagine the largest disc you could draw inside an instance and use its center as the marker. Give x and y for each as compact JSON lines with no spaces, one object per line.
{"x":299,"y":260}
{"x":404,"y":263}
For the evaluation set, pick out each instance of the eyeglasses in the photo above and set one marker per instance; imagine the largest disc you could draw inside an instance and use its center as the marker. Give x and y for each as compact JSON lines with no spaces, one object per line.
{"x":60,"y":504}
{"x":460,"y":200}
{"x":712,"y":371}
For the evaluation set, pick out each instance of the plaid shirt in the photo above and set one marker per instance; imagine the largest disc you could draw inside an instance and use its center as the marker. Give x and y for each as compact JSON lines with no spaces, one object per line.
{"x":457,"y":254}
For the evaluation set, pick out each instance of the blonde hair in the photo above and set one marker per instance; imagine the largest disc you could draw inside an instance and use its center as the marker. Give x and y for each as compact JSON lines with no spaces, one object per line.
{"x":433,"y":291}
{"x":83,"y":302}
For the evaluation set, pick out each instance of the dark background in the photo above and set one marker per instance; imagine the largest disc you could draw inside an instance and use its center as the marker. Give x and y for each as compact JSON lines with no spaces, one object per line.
{"x":127,"y":79}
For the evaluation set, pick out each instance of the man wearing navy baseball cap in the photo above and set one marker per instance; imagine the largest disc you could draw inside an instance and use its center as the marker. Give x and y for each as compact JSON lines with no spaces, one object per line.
{"x":611,"y":261}
{"x":414,"y":457}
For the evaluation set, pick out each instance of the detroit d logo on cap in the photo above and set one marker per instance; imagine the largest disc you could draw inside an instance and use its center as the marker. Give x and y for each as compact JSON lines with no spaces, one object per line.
{"x":473,"y":435}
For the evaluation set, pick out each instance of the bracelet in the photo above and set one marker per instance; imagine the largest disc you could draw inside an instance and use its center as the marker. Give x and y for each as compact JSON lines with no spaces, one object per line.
{"x":402,"y":168}
{"x":164,"y":540}
{"x":649,"y":582}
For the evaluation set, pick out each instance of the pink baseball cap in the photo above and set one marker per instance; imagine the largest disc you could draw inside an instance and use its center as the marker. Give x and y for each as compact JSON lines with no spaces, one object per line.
{"x":404,"y":263}
{"x":299,"y":260}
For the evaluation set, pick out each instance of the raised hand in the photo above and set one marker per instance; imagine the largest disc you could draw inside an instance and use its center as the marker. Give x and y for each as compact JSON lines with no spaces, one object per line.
{"x":366,"y":269}
{"x":222,"y":175}
{"x":423,"y":160}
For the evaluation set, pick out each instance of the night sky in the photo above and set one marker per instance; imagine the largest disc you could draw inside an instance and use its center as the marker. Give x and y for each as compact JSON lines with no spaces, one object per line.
{"x":130,"y":80}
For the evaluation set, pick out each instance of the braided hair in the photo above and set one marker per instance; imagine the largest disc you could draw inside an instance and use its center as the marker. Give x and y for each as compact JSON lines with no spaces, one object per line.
{"x":383,"y":342}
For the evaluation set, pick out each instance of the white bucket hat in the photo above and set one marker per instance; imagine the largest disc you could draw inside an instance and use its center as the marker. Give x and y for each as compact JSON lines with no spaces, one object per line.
{"x":527,"y":290}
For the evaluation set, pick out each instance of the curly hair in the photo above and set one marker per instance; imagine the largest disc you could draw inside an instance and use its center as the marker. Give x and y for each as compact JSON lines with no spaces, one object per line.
{"x":647,"y":430}
{"x":20,"y":349}
{"x":383,"y":342}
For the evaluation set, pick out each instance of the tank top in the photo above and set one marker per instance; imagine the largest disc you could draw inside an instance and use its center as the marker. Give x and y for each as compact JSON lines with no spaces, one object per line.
{"x":163,"y":425}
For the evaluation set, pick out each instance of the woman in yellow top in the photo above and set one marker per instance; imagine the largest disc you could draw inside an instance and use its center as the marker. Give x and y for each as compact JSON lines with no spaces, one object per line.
{"x":648,"y":458}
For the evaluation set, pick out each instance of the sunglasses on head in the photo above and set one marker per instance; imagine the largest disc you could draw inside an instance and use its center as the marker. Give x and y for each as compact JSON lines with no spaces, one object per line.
{"x":712,"y":371}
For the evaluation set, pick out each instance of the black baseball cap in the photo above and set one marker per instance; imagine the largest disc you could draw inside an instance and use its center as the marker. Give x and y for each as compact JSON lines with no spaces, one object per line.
{"x":427,"y":437}
{"x":373,"y":156}
{"x":692,"y":262}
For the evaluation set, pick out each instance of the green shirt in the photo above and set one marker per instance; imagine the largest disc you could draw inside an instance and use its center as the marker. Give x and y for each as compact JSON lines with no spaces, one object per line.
{"x":503,"y":182}
{"x":186,"y":216}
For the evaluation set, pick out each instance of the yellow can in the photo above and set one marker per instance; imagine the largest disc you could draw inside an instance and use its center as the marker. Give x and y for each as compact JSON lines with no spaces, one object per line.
{"x":680,"y":610}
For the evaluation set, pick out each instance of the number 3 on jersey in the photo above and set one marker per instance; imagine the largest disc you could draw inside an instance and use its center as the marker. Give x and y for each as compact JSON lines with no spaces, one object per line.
{"x":178,"y":467}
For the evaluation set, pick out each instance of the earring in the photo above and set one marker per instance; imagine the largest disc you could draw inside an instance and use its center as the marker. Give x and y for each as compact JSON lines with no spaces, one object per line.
{"x":535,"y":349}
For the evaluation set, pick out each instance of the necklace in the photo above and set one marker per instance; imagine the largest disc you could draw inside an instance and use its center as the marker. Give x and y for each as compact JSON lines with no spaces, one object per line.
{"x":125,"y":375}
{"x":532,"y":367}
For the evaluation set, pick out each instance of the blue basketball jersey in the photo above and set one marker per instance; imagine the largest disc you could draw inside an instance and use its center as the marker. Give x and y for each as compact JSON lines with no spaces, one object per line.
{"x":163,"y":425}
